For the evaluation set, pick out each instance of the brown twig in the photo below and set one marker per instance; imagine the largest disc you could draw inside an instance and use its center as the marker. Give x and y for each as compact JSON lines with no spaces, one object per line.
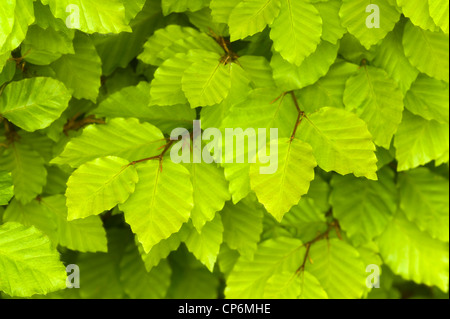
{"x":300,"y":116}
{"x":75,"y":123}
{"x":157,"y":157}
{"x":333,"y":225}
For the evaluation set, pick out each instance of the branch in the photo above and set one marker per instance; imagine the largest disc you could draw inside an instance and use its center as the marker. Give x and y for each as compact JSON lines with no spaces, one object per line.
{"x":75,"y":124}
{"x":333,"y":225}
{"x":157,"y":157}
{"x":300,"y":116}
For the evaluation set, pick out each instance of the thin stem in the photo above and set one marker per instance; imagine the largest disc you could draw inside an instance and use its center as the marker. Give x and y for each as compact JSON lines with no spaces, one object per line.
{"x":300,"y":116}
{"x":333,"y":225}
{"x":157,"y":157}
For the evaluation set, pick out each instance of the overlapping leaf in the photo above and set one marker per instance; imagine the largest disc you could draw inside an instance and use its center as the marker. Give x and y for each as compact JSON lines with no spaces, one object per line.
{"x":125,"y":138}
{"x":27,"y":262}
{"x":102,"y":184}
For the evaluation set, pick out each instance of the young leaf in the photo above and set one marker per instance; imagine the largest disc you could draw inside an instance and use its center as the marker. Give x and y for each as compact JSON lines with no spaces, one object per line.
{"x":205,"y":245}
{"x":85,"y":235}
{"x":282,"y":189}
{"x":377,"y":100}
{"x":102,"y":184}
{"x":102,"y":16}
{"x":81,"y":71}
{"x":432,"y":58}
{"x":249,"y":277}
{"x":341,"y":142}
{"x":28,"y":264}
{"x":252,"y":16}
{"x":429,"y":99}
{"x":161,"y":203}
{"x":419,"y":141}
{"x":424,"y":199}
{"x":125,"y":138}
{"x":207,"y":82}
{"x":338,"y":267}
{"x":27,"y":171}
{"x":296,"y":31}
{"x":34,"y":104}
{"x":355,"y":18}
{"x":6,"y":188}
{"x":363,"y":207}
{"x":243,"y":225}
{"x":413,"y":254}
{"x":138,"y":282}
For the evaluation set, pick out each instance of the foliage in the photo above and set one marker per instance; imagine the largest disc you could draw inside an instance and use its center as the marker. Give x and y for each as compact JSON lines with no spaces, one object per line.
{"x":89,"y":97}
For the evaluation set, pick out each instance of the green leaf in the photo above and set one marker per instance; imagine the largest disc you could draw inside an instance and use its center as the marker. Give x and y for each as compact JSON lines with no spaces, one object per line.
{"x":207,"y":82}
{"x":329,"y":90}
{"x":33,"y":214}
{"x":6,"y":188}
{"x":419,"y":141}
{"x":81,"y":71}
{"x":170,"y":6}
{"x":432,"y":58}
{"x":28,"y":264}
{"x":191,"y":280}
{"x":357,"y":21}
{"x":439,"y":11}
{"x":205,"y":245}
{"x":257,"y":70}
{"x":125,"y":138}
{"x":424,"y":199}
{"x":305,"y":220}
{"x":100,"y":272}
{"x":341,"y":142}
{"x":249,"y":276}
{"x":390,"y":57}
{"x":134,"y":101}
{"x":165,"y":43}
{"x":44,"y":46}
{"x":101,"y":184}
{"x":296,"y":31}
{"x":262,"y":109}
{"x":33,"y":104}
{"x":221,"y":9}
{"x":332,"y":30}
{"x":311,"y":287}
{"x":418,"y":12}
{"x":118,"y":50}
{"x":161,"y":203}
{"x":363,"y":207}
{"x":6,"y":20}
{"x":85,"y":235}
{"x":138,"y":283}
{"x":413,"y":254}
{"x":27,"y":171}
{"x":21,"y":18}
{"x":210,"y":192}
{"x":339,"y":269}
{"x":162,"y":249}
{"x":282,"y":189}
{"x":102,"y":16}
{"x":284,"y":285}
{"x":252,"y":16}
{"x":290,"y":77}
{"x":377,"y":100}
{"x":166,"y":88}
{"x":243,"y":225}
{"x":428,"y":98}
